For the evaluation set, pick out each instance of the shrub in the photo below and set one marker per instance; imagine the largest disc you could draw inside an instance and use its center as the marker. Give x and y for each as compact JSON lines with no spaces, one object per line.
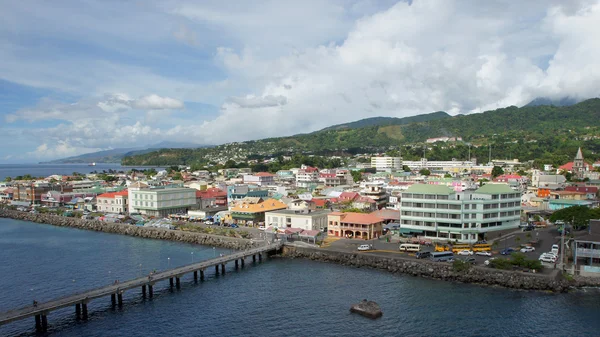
{"x":460,"y":266}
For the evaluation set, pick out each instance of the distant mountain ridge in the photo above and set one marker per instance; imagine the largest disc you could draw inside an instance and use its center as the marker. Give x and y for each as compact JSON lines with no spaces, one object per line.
{"x":525,"y":133}
{"x":564,"y":101}
{"x":382,"y":121}
{"x":116,"y":155}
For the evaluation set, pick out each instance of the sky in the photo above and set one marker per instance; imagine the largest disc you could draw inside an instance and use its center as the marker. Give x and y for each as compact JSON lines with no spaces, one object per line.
{"x":79,"y":76}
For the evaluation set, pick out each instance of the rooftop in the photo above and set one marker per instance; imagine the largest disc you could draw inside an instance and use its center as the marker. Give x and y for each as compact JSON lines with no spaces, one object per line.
{"x":429,"y":189}
{"x":123,"y":193}
{"x":300,"y":212}
{"x":359,"y":218}
{"x":265,"y":206}
{"x":494,"y":189}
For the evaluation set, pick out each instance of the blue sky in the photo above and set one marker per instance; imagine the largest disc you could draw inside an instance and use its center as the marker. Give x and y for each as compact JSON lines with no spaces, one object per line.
{"x":83,"y":76}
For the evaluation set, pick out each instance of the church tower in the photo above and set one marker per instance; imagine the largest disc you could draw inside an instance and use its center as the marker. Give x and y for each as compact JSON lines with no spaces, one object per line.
{"x":578,"y":165}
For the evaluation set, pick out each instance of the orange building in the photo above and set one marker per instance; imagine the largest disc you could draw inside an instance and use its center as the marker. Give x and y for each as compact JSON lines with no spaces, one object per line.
{"x":355,"y":225}
{"x":543,"y":192}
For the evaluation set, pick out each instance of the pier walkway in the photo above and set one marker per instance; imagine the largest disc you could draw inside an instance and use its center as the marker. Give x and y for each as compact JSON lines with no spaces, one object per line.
{"x":80,"y":300}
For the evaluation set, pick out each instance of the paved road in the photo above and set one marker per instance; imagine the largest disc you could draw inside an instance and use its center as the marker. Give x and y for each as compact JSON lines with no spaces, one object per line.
{"x":84,"y":297}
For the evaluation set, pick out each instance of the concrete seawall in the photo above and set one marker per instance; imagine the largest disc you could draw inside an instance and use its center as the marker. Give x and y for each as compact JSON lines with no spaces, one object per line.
{"x":441,"y":271}
{"x":143,"y":232}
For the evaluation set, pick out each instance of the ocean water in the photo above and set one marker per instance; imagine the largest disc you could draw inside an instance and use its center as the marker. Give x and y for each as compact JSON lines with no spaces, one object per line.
{"x":44,"y":170}
{"x":278,"y":297}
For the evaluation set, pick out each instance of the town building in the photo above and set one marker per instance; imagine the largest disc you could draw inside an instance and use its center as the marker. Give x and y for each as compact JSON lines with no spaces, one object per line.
{"x":211,"y":197}
{"x":59,"y":199}
{"x":305,"y":219}
{"x":578,"y":167}
{"x":354,"y":225}
{"x":113,"y":202}
{"x":307,"y":177}
{"x":375,"y":191}
{"x":438,"y":212}
{"x":387,"y":164}
{"x":591,"y":192}
{"x":260,"y":179}
{"x":586,"y":251}
{"x":240,"y":191}
{"x":253,"y":211}
{"x":160,"y":201}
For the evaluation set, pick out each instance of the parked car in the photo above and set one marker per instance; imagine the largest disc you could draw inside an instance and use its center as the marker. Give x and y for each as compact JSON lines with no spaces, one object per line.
{"x":365,"y":247}
{"x":488,"y":261}
{"x":234,"y":226}
{"x":507,"y":251}
{"x":527,"y":249}
{"x":470,"y":260}
{"x":528,"y":228}
{"x":554,"y":249}
{"x":262,"y":227}
{"x":208,"y":222}
{"x":484,"y":253}
{"x":547,"y":258}
{"x":465,"y":252}
{"x":481,"y":242}
{"x":423,"y":255}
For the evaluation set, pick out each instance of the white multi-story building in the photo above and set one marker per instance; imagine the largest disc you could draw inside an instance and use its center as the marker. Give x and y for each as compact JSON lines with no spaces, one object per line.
{"x":307,"y":177}
{"x":260,"y":179}
{"x":305,"y":219}
{"x":161,"y":201}
{"x":438,"y":212}
{"x":112,"y":202}
{"x":386,"y":163}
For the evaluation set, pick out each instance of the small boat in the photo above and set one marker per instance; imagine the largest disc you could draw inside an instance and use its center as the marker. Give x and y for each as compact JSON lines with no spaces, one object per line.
{"x":92,"y":164}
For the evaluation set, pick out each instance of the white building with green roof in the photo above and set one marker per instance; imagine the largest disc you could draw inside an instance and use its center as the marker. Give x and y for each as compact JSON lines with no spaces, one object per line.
{"x":439,"y":212}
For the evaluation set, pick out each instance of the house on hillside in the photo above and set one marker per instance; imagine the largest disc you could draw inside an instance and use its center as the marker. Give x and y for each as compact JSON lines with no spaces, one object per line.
{"x":354,"y":225}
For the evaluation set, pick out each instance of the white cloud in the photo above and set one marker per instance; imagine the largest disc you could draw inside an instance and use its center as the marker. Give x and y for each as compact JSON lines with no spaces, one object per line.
{"x":287,"y":67}
{"x":58,"y":150}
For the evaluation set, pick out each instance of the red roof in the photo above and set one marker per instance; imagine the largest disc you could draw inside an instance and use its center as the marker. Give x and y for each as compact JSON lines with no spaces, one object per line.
{"x":583,"y":189}
{"x":358,"y":218}
{"x":569,"y":166}
{"x":264,"y":174}
{"x":365,"y":199}
{"x":348,"y":196}
{"x":211,"y":193}
{"x":320,"y":202}
{"x":114,"y":194}
{"x":309,"y":169}
{"x":327,"y":175}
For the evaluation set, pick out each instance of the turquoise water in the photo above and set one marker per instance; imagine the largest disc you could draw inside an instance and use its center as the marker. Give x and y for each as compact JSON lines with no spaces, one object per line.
{"x":278,"y":297}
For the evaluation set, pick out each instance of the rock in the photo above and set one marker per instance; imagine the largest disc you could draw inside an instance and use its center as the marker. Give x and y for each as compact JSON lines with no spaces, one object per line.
{"x":368,"y":309}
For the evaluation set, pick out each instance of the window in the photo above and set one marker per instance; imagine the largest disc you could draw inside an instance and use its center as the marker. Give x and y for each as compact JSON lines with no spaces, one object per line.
{"x":466,"y":206}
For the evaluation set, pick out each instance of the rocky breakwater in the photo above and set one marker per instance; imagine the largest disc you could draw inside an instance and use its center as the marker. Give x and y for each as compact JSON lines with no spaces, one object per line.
{"x":143,"y":232}
{"x":434,"y":270}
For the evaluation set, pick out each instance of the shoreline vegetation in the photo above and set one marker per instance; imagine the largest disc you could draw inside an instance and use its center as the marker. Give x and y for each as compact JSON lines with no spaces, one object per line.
{"x":555,"y":282}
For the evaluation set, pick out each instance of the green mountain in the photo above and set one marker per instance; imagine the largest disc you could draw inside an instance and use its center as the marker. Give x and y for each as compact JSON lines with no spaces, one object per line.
{"x":549,"y":133}
{"x":382,"y":121}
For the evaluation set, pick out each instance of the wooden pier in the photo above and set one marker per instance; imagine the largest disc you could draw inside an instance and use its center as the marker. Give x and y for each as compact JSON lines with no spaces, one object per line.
{"x":146,"y":283}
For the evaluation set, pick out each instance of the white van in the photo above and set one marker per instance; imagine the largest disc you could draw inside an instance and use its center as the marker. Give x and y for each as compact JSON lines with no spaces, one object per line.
{"x":410,"y":247}
{"x":554,"y":249}
{"x":547,"y":258}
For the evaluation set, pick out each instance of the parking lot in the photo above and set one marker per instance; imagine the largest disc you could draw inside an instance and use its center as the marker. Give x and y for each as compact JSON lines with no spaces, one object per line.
{"x":546,"y":238}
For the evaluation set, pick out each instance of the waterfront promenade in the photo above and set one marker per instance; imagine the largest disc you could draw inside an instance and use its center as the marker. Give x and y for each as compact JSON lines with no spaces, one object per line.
{"x":80,"y":300}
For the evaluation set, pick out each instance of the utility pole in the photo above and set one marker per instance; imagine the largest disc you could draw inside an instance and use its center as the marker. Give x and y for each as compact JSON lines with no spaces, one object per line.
{"x":490,"y":156}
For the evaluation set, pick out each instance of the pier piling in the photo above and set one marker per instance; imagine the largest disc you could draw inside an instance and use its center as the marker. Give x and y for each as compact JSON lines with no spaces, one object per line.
{"x":253,"y":258}
{"x":38,"y":323}
{"x":236,"y":264}
{"x":44,"y":323}
{"x":171,"y":282}
{"x":78,"y":310}
{"x":144,"y":291}
{"x":84,"y":311}
{"x":223,"y":269}
{"x":201,"y":274}
{"x":120,"y":298}
{"x":217,"y":269}
{"x":177,"y":283}
{"x":113,"y":299}
{"x":150,"y":290}
{"x":195,"y":276}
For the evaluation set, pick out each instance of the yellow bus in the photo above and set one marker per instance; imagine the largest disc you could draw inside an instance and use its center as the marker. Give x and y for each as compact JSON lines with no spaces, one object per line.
{"x":459,"y":247}
{"x":441,"y":248}
{"x":482,"y":247}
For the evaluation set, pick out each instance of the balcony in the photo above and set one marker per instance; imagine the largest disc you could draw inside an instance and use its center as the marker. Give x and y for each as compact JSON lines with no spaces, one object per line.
{"x":588,"y":252}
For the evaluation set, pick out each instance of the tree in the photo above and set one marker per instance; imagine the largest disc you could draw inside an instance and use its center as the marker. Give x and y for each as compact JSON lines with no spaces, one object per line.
{"x":406,"y":168}
{"x":424,"y":172}
{"x":356,"y":176}
{"x":8,"y":179}
{"x":578,"y":216}
{"x":447,"y":175}
{"x":497,"y":171}
{"x":177,"y":176}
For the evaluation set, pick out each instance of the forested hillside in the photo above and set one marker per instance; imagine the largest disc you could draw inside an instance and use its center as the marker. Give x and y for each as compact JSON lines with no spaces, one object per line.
{"x":549,"y":133}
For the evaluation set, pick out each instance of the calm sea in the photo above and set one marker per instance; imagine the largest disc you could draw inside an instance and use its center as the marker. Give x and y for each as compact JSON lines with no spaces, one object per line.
{"x":44,"y":170}
{"x":278,"y":297}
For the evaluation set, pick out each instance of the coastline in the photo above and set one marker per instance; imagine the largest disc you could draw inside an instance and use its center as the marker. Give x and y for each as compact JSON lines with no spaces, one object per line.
{"x":125,"y":229}
{"x":420,"y":268}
